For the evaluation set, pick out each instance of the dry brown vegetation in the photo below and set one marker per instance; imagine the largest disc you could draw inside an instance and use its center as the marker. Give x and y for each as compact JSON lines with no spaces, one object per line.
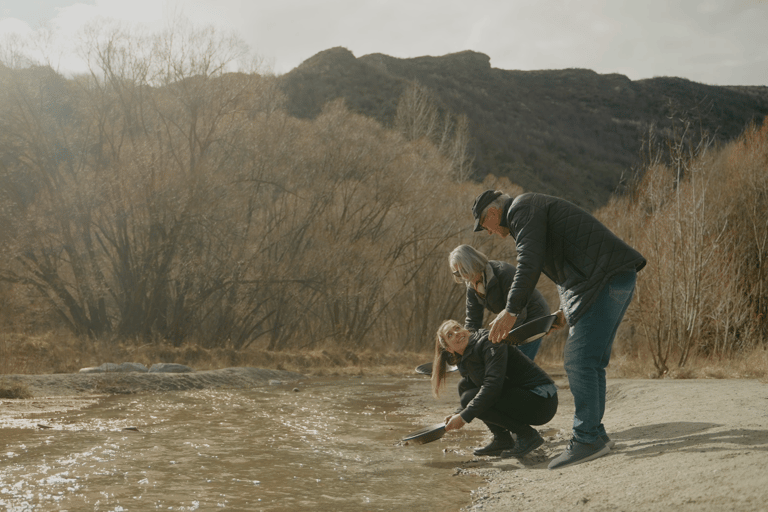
{"x":166,"y":209}
{"x":60,"y":352}
{"x":700,"y":216}
{"x":13,"y":389}
{"x":165,"y":200}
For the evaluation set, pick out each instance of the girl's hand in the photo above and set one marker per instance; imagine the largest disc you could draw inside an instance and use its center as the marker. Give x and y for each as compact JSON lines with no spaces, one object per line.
{"x":455,"y":422}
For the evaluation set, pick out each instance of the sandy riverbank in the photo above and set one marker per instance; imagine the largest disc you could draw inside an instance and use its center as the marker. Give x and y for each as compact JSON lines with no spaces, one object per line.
{"x":684,"y":445}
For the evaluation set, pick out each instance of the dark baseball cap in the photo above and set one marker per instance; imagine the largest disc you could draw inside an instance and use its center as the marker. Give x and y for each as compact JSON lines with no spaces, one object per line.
{"x":481,"y":203}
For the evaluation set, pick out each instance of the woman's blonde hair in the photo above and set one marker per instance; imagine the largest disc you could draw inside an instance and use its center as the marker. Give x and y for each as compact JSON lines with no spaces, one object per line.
{"x":442,"y":356}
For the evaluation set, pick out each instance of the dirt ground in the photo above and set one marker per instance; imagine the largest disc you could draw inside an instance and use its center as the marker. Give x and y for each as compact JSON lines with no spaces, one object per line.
{"x":683,"y":445}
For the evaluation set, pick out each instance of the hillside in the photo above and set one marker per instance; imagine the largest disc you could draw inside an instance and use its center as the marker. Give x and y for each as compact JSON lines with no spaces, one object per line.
{"x":570,"y":132}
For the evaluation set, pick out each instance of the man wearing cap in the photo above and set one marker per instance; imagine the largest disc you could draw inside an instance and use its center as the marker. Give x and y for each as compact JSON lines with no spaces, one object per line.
{"x":595,"y":273}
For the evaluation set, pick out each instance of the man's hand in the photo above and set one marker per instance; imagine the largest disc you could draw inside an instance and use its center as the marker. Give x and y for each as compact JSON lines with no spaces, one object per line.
{"x":501,"y":325}
{"x":454,"y":423}
{"x":559,"y":322}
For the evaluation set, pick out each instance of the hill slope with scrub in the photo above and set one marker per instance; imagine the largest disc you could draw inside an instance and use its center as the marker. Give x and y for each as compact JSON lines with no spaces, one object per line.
{"x":570,"y":132}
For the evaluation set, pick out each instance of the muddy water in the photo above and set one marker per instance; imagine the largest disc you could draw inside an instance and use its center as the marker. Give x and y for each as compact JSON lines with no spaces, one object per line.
{"x":331,"y":445}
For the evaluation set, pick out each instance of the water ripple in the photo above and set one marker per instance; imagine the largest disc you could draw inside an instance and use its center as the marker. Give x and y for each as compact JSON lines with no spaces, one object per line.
{"x":332,"y":446}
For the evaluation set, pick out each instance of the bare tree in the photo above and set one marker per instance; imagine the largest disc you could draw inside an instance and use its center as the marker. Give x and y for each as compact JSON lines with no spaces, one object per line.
{"x":14,"y":51}
{"x":698,"y":217}
{"x":419,"y":117}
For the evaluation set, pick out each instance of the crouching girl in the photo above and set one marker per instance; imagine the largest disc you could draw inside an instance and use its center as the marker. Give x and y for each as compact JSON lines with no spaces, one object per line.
{"x":500,"y":386}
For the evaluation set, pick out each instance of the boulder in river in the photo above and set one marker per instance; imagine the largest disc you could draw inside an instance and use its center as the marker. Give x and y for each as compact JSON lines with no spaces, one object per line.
{"x":138,"y":367}
{"x":116,"y":368}
{"x":170,"y":368}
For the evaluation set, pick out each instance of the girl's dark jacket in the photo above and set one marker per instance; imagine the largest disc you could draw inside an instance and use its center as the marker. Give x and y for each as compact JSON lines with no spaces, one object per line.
{"x":570,"y":246}
{"x":497,"y":287}
{"x":489,"y":366}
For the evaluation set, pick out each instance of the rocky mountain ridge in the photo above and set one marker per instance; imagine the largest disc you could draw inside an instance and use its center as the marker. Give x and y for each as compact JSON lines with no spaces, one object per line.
{"x":570,"y":132}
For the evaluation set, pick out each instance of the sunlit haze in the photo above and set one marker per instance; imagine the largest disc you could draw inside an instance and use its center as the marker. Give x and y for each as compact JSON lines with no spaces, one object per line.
{"x":716,"y":42}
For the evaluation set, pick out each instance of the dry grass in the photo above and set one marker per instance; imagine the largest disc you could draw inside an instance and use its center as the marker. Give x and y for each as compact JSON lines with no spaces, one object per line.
{"x":62,"y":353}
{"x":10,"y":389}
{"x":49,"y":352}
{"x":747,"y":365}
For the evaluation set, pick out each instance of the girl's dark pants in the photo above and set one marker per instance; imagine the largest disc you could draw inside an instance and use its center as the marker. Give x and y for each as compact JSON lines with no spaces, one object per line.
{"x":516,"y":410}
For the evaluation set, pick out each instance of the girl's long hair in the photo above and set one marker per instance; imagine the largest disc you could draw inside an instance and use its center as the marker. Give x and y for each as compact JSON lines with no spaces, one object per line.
{"x":442,"y":357}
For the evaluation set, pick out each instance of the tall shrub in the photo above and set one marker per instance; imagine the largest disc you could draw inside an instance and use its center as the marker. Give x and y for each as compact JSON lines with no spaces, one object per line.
{"x":699,"y":217}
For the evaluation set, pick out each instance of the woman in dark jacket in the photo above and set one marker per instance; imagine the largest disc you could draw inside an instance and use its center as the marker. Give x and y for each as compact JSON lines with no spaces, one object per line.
{"x":500,"y":386}
{"x":488,"y":284}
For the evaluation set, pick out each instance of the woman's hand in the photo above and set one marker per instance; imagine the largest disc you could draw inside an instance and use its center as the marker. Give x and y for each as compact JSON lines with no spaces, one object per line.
{"x":559,"y":322}
{"x":454,"y":422}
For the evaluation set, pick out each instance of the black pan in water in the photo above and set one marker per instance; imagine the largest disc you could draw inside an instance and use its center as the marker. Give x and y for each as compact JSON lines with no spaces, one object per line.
{"x":426,"y":434}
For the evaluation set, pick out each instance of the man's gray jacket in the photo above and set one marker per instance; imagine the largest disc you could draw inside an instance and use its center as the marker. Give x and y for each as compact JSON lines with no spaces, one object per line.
{"x":570,"y":246}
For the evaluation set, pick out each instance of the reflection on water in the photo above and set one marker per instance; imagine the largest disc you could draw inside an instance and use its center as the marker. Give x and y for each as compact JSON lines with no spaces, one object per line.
{"x":331,"y":445}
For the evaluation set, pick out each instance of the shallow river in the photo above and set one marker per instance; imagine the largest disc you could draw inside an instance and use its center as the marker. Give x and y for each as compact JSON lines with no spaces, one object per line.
{"x":318,"y":445}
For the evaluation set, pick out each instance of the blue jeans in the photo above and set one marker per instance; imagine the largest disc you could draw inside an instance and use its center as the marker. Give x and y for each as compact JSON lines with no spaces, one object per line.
{"x":533,"y":311}
{"x":588,"y":350}
{"x":531,"y":349}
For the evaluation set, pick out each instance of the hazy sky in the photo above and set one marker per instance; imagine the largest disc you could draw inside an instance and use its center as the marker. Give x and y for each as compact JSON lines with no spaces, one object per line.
{"x":719,"y":42}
